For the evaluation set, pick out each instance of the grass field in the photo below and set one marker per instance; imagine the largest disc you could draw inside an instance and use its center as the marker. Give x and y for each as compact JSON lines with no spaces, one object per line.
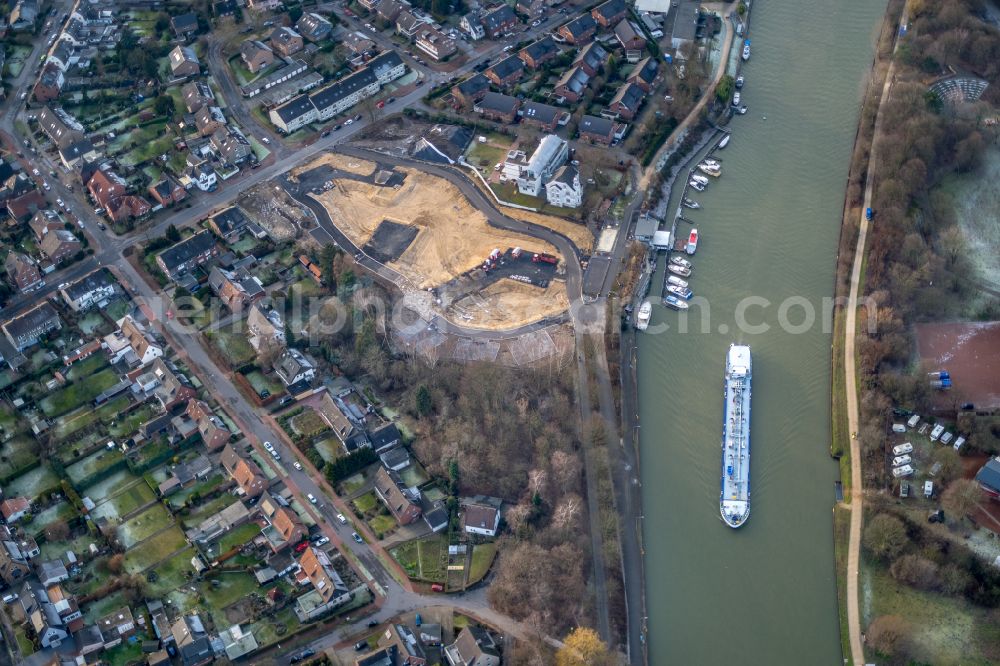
{"x":365,"y":503}
{"x":171,"y":573}
{"x":482,"y":559}
{"x":237,"y":537}
{"x":151,"y":551}
{"x":86,"y":367}
{"x":32,"y":483}
{"x":110,"y":486}
{"x":424,"y":559}
{"x":382,"y":525}
{"x":77,"y":394}
{"x":144,"y":525}
{"x":352,"y":484}
{"x":261,"y":382}
{"x":129,"y":425}
{"x":840,"y":443}
{"x":231,"y":587}
{"x":125,"y":502}
{"x":234,"y":347}
{"x":17,"y":454}
{"x":307,"y":423}
{"x":841,"y":536}
{"x":80,"y":471}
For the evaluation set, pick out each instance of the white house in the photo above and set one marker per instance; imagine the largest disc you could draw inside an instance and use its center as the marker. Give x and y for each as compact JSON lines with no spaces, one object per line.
{"x":539,"y":168}
{"x":292,"y":366}
{"x":481,"y":519}
{"x":565,"y":190}
{"x":132,"y":336}
{"x":93,"y":289}
{"x":472,"y":26}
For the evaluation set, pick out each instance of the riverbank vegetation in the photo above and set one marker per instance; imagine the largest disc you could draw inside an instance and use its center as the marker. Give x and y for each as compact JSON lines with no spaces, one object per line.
{"x":918,"y":269}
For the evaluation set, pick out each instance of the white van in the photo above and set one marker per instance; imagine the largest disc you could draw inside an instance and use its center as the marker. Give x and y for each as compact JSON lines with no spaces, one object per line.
{"x":900,"y":472}
{"x":898,"y":427}
{"x":904,"y":459}
{"x":946,"y":438}
{"x":958,"y":443}
{"x":936,"y":433}
{"x":900,"y":449}
{"x":914,"y":420}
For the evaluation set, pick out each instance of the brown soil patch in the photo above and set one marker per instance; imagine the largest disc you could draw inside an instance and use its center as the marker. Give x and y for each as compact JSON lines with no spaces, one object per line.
{"x":508,"y":304}
{"x":454,"y":236}
{"x":970,"y":352}
{"x":353,"y":165}
{"x":578,"y":233}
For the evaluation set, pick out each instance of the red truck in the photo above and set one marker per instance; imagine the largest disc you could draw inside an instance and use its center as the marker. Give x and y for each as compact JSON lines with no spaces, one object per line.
{"x":545,"y":259}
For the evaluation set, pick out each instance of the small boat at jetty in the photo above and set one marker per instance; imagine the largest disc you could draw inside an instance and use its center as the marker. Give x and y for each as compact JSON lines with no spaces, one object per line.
{"x":696,"y":185}
{"x":672,"y":301}
{"x":724,"y":142}
{"x":692,"y":244}
{"x":681,"y":261}
{"x":690,"y":203}
{"x":743,"y":110}
{"x":734,"y":495}
{"x":698,"y":178}
{"x":746,"y":50}
{"x":642,"y":318}
{"x":673,"y":279}
{"x":708,"y":161}
{"x":713,"y":171}
{"x":739,"y":82}
{"x":679,"y":270}
{"x":680,"y":292}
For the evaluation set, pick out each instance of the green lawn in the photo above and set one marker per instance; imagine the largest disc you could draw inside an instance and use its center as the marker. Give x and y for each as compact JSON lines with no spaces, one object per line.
{"x":170,"y":574}
{"x":208,"y":509}
{"x":124,"y":654}
{"x":24,"y":645}
{"x":20,"y":453}
{"x":237,"y":537}
{"x":86,"y":367}
{"x":352,"y":484}
{"x":151,"y":551}
{"x":144,"y":525}
{"x":104,"y":605}
{"x":482,"y":559}
{"x":382,"y":525}
{"x":234,"y":347}
{"x":261,"y":382}
{"x":231,"y":588}
{"x":32,"y":483}
{"x":87,"y":467}
{"x":79,"y":393}
{"x":109,"y":487}
{"x":308,"y":423}
{"x":365,"y":503}
{"x":424,"y":559}
{"x":271,"y":630}
{"x":124,"y":428}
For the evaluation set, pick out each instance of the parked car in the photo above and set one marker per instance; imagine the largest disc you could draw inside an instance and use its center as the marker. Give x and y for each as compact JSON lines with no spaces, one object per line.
{"x":265,"y":139}
{"x":341,"y":518}
{"x":322,"y":541}
{"x":357,"y":537}
{"x":312,"y":498}
{"x":297,"y":465}
{"x":268,"y":447}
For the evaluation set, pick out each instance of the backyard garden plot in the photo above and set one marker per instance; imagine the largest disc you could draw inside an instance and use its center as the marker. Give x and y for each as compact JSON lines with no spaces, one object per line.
{"x":32,"y":483}
{"x":223,"y":589}
{"x":260,"y":383}
{"x":110,"y":486}
{"x":482,"y":559}
{"x":17,"y":455}
{"x":127,"y":501}
{"x":234,"y":347}
{"x":307,"y":423}
{"x":208,"y":509}
{"x":78,"y":394}
{"x":171,"y":573}
{"x":145,"y":525}
{"x":200,"y":489}
{"x":155,"y":549}
{"x":329,"y":449}
{"x":235,"y":538}
{"x":80,"y":473}
{"x":424,"y":559}
{"x":60,"y":512}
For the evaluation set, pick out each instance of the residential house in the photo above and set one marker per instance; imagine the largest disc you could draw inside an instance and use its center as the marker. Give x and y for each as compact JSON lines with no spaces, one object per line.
{"x":200,"y":175}
{"x":384,"y":438}
{"x":186,"y":474}
{"x":286,"y":41}
{"x":609,"y":13}
{"x":543,"y":116}
{"x":565,"y":190}
{"x":22,"y":271}
{"x":435,"y":43}
{"x":245,"y":472}
{"x":498,"y":107}
{"x":572,"y":84}
{"x":88,"y":641}
{"x":63,"y":55}
{"x":172,"y":388}
{"x":630,"y":36}
{"x":473,"y":647}
{"x":167,"y":191}
{"x":293,"y":114}
{"x":116,"y":626}
{"x":105,"y":186}
{"x":506,"y":72}
{"x":499,"y":21}
{"x":231,"y":146}
{"x":285,"y":528}
{"x":214,"y":432}
{"x":290,"y":70}
{"x":684,"y":29}
{"x":138,"y":339}
{"x":408,"y":23}
{"x":538,"y":53}
{"x":263,"y":5}
{"x":71,"y":154}
{"x":591,"y":58}
{"x":293,"y":366}
{"x":579,"y":31}
{"x":183,"y":62}
{"x":644,"y":74}
{"x":27,"y":328}
{"x":50,"y":83}
{"x":66,"y":606}
{"x":94,"y":288}
{"x":256,"y":55}
{"x":216,"y":525}
{"x":627,"y":101}
{"x":196,"y":95}
{"x":186,"y":630}
{"x":23,"y":15}
{"x":266,"y":328}
{"x":208,"y":119}
{"x":224,"y":8}
{"x":197,"y":653}
{"x":237,"y":643}
{"x":313,"y":27}
{"x":359,"y":44}
{"x":127,"y":207}
{"x":13,"y":564}
{"x":988,"y":477}
{"x":47,"y":625}
{"x":389,"y":10}
{"x":236,"y":288}
{"x":51,"y":572}
{"x":532,"y":173}
{"x":387,"y":656}
{"x":395,"y":459}
{"x":596,"y":130}
{"x":228,"y":224}
{"x":471,"y":90}
{"x":21,"y":208}
{"x":59,"y":245}
{"x":61,"y":128}
{"x":472,"y":25}
{"x":184,"y":25}
{"x":369,"y":5}
{"x":188,"y":253}
{"x":14,"y":508}
{"x":531,"y":8}
{"x":403,"y":503}
{"x":327,"y":585}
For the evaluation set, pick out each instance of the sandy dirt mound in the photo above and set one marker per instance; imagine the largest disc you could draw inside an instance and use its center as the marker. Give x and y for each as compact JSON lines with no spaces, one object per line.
{"x":337,"y":161}
{"x":508,"y":304}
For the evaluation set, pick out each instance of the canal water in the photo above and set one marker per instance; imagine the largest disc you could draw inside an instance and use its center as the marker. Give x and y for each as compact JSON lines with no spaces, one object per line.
{"x":766,"y":593}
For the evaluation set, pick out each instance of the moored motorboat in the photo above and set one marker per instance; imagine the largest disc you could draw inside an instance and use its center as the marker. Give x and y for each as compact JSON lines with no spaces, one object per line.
{"x":672,"y":301}
{"x":681,"y":261}
{"x":725,"y":141}
{"x":713,"y":171}
{"x":679,"y":270}
{"x":690,"y":203}
{"x":739,"y":82}
{"x":680,"y":292}
{"x":642,"y":318}
{"x":698,"y":178}
{"x":746,"y":50}
{"x":692,"y":244}
{"x":697,"y":186}
{"x":673,"y":279}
